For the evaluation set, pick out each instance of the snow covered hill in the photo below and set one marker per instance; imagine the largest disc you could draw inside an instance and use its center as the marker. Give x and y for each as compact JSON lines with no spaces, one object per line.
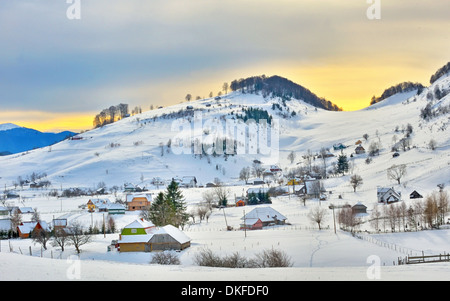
{"x":135,"y":150}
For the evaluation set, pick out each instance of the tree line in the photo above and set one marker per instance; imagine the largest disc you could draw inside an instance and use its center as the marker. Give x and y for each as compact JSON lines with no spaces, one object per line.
{"x":110,"y":115}
{"x":277,"y":86}
{"x":399,"y":88}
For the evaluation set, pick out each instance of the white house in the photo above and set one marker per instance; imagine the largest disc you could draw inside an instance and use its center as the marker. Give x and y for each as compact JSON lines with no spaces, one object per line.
{"x":267,"y":215}
{"x":388,"y":195}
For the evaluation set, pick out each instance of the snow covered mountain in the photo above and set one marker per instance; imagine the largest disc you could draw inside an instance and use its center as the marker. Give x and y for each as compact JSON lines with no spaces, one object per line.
{"x":149,"y":145}
{"x":15,"y":139}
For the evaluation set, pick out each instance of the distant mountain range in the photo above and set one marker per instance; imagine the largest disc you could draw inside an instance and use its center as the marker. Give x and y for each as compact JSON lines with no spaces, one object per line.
{"x":15,"y":139}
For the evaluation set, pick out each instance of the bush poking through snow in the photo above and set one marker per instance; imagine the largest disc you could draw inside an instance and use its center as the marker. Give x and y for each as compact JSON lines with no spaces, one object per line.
{"x":165,"y":258}
{"x":266,"y":259}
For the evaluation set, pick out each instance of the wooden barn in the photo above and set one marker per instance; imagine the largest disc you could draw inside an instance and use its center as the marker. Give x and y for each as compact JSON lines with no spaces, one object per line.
{"x":165,"y":238}
{"x":252,"y":224}
{"x":169,"y":238}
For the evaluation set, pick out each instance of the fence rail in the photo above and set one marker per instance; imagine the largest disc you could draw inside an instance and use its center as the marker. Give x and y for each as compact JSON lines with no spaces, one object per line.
{"x":428,"y":258}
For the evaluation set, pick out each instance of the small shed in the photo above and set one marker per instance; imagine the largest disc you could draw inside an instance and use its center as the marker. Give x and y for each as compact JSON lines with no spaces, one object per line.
{"x":252,"y":224}
{"x":239,"y":202}
{"x":415,"y":195}
{"x":360,"y":150}
{"x":359,"y":208}
{"x":169,"y":238}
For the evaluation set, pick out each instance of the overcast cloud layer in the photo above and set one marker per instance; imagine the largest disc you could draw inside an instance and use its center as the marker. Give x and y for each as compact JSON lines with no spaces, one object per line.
{"x":155,"y":51}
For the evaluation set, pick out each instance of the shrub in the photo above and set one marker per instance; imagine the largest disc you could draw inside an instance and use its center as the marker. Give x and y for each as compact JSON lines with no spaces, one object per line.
{"x":166,"y":258}
{"x":267,"y":259}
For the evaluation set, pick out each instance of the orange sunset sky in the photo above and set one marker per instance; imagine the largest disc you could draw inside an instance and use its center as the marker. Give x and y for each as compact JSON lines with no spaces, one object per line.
{"x":56,"y":73}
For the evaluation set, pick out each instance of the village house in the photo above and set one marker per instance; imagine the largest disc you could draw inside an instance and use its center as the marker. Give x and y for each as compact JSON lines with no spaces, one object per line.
{"x":26,"y":228}
{"x":415,"y":195}
{"x":251,"y":224}
{"x":359,"y":208}
{"x":388,"y":195}
{"x":188,"y":182}
{"x":94,"y":204}
{"x":115,"y":208}
{"x":239,"y":202}
{"x":138,"y":201}
{"x":267,"y":215}
{"x":360,"y":150}
{"x":138,"y":227}
{"x":142,"y":236}
{"x":4,"y":210}
{"x":59,"y":223}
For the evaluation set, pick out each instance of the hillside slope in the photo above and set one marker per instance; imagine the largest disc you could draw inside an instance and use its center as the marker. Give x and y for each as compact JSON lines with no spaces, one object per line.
{"x":135,"y":148}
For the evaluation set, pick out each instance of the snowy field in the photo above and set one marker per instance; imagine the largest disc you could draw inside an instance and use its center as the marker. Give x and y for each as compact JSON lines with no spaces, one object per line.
{"x":135,"y":157}
{"x":315,"y":254}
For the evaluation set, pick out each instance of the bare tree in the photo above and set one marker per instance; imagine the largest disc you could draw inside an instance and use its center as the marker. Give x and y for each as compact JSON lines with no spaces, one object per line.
{"x":317,"y":215}
{"x":323,"y":154}
{"x":77,"y":237}
{"x":222,"y":195}
{"x":308,"y":159}
{"x":60,"y":238}
{"x":41,"y":236}
{"x":16,"y":220}
{"x":225,"y":87}
{"x":348,"y":219}
{"x":208,"y":198}
{"x":432,"y":144}
{"x":356,"y":181}
{"x":396,"y":172}
{"x":375,"y":218}
{"x":291,"y":157}
{"x":244,"y":174}
{"x":257,"y":169}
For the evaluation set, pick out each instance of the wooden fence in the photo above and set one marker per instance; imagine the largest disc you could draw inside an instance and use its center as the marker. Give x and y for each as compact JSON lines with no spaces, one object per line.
{"x":425,"y":259}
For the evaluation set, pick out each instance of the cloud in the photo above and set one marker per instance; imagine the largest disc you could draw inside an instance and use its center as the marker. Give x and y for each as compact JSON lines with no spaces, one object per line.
{"x":159,"y":50}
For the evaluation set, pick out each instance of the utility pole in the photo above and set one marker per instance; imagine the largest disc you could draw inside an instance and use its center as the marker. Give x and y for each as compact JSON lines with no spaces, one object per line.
{"x":245,"y":226}
{"x":225,"y":217}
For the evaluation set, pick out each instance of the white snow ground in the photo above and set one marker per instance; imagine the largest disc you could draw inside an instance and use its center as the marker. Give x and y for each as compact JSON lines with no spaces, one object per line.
{"x":316,"y":255}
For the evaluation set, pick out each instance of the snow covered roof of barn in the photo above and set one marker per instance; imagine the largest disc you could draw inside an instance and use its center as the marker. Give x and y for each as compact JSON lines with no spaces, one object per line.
{"x":265,"y":214}
{"x":174,"y":232}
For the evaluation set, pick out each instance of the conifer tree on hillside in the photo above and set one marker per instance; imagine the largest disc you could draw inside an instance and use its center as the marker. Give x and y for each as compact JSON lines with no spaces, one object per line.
{"x":342,"y":165}
{"x":176,"y":198}
{"x":168,"y":208}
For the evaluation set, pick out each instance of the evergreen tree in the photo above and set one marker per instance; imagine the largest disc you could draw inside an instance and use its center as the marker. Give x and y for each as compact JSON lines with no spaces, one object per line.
{"x":342,"y":165}
{"x":162,"y":211}
{"x":175,"y":197}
